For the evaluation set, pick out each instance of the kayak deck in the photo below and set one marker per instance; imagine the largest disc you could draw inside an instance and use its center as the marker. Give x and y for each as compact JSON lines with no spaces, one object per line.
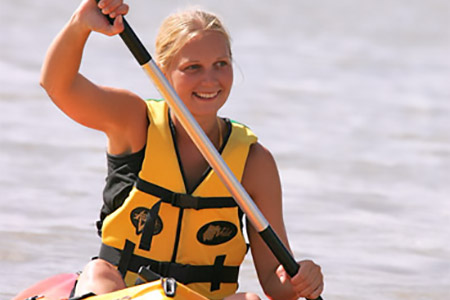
{"x":58,"y":287}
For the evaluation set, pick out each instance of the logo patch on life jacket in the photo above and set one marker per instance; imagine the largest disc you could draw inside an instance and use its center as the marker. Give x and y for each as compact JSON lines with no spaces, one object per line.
{"x":138,"y":218}
{"x":216,"y":233}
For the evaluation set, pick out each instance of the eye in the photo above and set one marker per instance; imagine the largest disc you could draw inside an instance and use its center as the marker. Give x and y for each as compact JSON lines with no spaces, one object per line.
{"x":192,"y":67}
{"x":222,"y":63}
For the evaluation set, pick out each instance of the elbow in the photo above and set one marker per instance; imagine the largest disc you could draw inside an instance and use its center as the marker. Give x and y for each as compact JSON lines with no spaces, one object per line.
{"x":49,"y":85}
{"x":44,"y":82}
{"x":48,"y":81}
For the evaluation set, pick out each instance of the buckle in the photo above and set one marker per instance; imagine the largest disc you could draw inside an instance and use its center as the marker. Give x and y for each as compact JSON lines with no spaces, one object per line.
{"x":169,"y":286}
{"x":175,"y":199}
{"x":147,"y":274}
{"x":163,"y":268}
{"x":184,"y":201}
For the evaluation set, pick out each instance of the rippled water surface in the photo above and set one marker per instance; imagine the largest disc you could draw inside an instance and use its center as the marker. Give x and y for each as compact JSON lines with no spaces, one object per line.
{"x":352,"y":97}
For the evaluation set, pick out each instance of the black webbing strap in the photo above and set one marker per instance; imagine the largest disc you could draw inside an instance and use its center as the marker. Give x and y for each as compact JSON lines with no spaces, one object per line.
{"x":215,"y":274}
{"x":124,"y":259}
{"x":183,"y":200}
{"x":149,"y":227}
{"x":217,"y":270}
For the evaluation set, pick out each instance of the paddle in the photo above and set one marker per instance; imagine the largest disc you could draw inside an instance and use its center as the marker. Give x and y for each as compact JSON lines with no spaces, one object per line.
{"x":208,"y":150}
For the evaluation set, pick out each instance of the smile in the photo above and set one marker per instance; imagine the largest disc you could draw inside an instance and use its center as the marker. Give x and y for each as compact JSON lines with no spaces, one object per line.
{"x":206,"y":95}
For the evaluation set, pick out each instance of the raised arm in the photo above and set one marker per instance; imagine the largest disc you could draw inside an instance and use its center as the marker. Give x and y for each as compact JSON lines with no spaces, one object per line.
{"x":119,"y":113}
{"x":262,"y":182}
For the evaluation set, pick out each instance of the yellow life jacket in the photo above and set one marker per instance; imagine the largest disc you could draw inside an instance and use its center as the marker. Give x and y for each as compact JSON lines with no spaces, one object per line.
{"x":193,"y":237}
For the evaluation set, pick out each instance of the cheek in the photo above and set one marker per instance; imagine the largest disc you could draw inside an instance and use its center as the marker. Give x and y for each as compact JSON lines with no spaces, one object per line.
{"x":231,"y":77}
{"x":183,"y":86}
{"x":228,"y":78}
{"x":179,"y":82}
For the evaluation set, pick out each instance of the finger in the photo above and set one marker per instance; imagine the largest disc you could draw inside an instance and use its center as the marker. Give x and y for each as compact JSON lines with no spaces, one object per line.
{"x":109,"y":6}
{"x":115,"y":28}
{"x":121,"y":10}
{"x":309,"y":287}
{"x":308,"y":272}
{"x":281,"y":273}
{"x":316,"y":293}
{"x":301,"y":279}
{"x":118,"y":24}
{"x":308,"y":279}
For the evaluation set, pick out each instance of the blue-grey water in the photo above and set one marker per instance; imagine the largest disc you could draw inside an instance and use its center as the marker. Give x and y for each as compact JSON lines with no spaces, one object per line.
{"x":352,"y":97}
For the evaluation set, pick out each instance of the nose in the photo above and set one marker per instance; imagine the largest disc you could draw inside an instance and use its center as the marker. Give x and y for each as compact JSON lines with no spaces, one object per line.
{"x":210,"y":76}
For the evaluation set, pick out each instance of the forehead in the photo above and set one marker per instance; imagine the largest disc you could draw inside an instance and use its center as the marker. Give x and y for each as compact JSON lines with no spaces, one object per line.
{"x":204,"y":45}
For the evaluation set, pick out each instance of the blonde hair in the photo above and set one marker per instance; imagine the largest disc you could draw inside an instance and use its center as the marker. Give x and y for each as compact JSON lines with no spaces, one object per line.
{"x":177,"y":29}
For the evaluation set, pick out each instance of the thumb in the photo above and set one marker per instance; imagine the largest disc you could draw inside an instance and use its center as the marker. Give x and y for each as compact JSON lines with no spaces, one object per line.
{"x":282,"y":274}
{"x":118,"y":24}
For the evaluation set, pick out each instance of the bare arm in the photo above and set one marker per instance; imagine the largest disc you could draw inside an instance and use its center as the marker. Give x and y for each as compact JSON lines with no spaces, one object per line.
{"x":119,"y":113}
{"x":262,"y":182}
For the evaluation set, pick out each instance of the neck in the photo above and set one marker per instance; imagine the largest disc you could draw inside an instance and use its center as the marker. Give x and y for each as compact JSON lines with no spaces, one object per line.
{"x":212,"y":126}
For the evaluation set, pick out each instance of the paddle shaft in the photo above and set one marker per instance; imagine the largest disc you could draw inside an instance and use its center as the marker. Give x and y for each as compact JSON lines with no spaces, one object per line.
{"x":208,"y":150}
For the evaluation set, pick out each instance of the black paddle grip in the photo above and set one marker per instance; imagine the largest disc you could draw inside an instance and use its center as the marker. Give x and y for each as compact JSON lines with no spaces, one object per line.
{"x":132,"y":41}
{"x":281,"y":252}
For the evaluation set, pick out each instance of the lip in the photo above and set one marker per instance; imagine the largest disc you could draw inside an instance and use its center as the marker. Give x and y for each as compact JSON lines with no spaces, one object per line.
{"x":206,"y":95}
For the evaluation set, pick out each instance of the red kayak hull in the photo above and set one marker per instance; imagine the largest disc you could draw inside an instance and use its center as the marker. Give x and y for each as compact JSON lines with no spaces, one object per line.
{"x":55,"y":288}
{"x":58,"y":287}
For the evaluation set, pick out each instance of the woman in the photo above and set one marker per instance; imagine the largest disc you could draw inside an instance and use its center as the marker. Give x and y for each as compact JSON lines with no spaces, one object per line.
{"x":164,"y":208}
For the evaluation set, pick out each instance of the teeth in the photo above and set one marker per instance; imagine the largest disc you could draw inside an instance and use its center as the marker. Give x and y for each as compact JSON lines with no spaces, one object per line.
{"x":207,"y":95}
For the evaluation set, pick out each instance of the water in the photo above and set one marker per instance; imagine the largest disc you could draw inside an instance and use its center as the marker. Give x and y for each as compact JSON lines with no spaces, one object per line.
{"x":352,"y":97}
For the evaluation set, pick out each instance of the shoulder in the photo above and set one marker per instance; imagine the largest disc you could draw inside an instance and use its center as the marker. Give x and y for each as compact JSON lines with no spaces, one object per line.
{"x":260,"y":157}
{"x":124,"y":106}
{"x":261,"y":172}
{"x":128,"y":130}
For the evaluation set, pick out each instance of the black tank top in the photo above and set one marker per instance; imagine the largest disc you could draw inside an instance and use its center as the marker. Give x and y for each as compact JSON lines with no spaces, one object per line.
{"x":122,"y":174}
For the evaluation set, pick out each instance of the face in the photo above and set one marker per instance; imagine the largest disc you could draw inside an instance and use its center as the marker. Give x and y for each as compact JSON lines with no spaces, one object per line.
{"x":202,"y":74}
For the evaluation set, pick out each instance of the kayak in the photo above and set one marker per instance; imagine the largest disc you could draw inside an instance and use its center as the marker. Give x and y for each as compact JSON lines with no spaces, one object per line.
{"x":59,"y":287}
{"x":53,"y":288}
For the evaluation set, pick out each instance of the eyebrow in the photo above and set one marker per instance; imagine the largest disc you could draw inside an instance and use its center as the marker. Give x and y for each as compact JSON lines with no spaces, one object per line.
{"x":198,"y":61}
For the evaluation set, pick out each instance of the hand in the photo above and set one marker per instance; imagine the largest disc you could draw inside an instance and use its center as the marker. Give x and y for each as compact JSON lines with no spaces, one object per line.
{"x":308,"y":282}
{"x":90,"y":16}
